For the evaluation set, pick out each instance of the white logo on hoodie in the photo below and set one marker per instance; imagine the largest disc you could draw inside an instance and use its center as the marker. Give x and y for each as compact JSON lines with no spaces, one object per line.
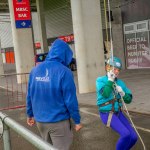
{"x":43,"y":79}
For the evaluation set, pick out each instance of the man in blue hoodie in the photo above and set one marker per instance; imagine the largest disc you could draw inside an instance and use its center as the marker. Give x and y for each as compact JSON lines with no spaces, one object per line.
{"x":51,"y":98}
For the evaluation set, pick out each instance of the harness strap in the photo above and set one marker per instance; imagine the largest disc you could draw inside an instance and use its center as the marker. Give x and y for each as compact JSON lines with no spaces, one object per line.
{"x":109,"y":118}
{"x":112,"y":110}
{"x":119,"y":101}
{"x":110,"y":102}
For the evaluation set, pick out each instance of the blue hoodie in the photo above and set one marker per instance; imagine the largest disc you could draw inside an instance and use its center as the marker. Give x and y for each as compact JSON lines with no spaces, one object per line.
{"x":51,"y":95}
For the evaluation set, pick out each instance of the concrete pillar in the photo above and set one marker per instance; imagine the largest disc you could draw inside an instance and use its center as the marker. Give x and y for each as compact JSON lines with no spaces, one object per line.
{"x":89,"y":49}
{"x":117,"y":33}
{"x":1,"y":61}
{"x":3,"y":58}
{"x":23,"y":47}
{"x":42,"y":26}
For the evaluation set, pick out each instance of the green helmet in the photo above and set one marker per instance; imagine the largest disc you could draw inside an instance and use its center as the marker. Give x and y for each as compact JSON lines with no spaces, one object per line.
{"x":115,"y":63}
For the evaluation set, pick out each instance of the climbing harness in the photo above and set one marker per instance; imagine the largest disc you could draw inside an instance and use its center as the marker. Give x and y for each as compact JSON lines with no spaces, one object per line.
{"x":113,"y":106}
{"x":111,"y":55}
{"x":109,"y":118}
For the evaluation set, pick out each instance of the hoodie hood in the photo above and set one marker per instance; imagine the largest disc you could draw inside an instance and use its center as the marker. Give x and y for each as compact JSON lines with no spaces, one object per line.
{"x":60,"y":52}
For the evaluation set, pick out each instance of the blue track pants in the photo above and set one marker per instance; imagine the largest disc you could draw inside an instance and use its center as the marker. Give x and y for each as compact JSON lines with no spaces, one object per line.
{"x":122,"y":126}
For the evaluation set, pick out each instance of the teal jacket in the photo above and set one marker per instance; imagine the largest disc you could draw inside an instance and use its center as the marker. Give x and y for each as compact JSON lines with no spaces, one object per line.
{"x":105,"y":92}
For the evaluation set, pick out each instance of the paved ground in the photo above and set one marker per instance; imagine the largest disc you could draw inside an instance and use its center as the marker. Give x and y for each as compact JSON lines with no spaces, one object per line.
{"x":94,"y":135}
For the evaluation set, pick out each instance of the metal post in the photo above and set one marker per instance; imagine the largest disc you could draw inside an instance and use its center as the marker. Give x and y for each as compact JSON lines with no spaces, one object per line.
{"x":1,"y":61}
{"x":25,"y":133}
{"x":6,"y":138}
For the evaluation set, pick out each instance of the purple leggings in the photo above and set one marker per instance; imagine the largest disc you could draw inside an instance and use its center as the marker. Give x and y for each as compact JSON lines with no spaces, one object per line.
{"x":122,"y":126}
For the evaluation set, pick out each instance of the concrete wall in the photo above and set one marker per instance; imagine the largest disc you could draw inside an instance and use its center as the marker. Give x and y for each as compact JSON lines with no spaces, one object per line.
{"x":134,"y":11}
{"x":6,"y":30}
{"x":9,"y":68}
{"x":58,"y":18}
{"x":117,"y":32}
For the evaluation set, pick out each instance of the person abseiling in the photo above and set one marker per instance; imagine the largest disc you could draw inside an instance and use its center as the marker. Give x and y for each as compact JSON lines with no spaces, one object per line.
{"x":110,"y":90}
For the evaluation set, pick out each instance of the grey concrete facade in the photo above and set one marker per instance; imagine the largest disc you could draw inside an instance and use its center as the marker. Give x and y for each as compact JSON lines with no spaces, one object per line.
{"x":117,"y":32}
{"x":88,"y":43}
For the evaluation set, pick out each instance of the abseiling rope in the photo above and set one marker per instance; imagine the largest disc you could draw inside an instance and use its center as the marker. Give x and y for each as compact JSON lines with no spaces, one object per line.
{"x":111,"y":43}
{"x":111,"y":55}
{"x":127,"y":112}
{"x":106,"y":23}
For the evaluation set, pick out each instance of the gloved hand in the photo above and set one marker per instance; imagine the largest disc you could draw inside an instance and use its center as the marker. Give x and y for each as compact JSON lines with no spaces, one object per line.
{"x":120,"y":91}
{"x":111,"y":76}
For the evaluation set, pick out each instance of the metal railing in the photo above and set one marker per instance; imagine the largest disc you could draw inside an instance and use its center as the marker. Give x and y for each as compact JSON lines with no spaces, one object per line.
{"x":35,"y":140}
{"x":13,"y":94}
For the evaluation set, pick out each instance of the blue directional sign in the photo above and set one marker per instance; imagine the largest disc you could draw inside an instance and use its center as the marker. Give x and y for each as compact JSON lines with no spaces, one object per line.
{"x":23,"y":24}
